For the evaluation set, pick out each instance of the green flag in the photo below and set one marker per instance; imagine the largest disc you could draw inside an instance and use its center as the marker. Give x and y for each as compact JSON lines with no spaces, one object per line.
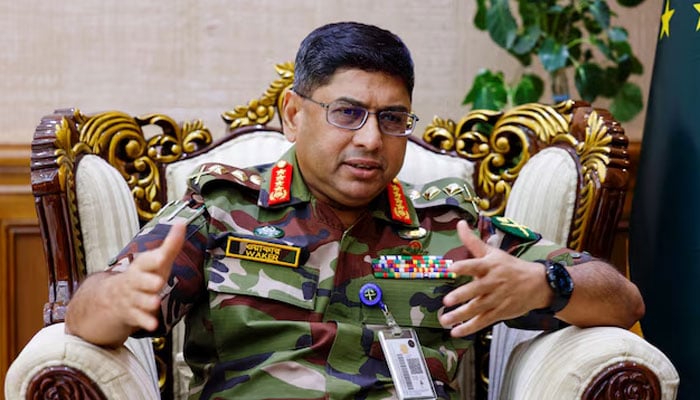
{"x":664,"y":239}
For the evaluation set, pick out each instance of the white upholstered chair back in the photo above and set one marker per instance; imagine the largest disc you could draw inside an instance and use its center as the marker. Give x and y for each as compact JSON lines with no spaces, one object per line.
{"x":108,"y":220}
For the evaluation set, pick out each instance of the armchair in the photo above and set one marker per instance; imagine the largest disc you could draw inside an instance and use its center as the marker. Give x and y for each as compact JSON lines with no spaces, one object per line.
{"x":92,"y":171}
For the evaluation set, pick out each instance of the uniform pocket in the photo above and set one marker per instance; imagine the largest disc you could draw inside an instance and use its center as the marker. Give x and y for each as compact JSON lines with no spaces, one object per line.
{"x":266,"y":269}
{"x":413,"y":302}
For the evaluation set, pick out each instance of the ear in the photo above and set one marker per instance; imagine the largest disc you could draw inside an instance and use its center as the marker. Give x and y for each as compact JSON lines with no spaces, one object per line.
{"x":291,"y":114}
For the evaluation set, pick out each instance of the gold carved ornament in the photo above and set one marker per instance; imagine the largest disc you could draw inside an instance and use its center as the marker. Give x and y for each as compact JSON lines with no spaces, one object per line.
{"x":120,"y":140}
{"x":501,"y":142}
{"x":260,"y":111}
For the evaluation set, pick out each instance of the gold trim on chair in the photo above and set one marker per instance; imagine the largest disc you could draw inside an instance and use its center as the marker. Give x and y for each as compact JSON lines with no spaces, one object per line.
{"x":501,"y":142}
{"x":120,"y":139}
{"x":260,"y":111}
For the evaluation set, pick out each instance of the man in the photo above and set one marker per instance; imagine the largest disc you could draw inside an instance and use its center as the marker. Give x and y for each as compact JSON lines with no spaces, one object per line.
{"x":288,"y":286}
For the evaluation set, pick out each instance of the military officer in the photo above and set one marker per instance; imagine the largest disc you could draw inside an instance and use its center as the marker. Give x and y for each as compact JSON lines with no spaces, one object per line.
{"x":321,"y":275}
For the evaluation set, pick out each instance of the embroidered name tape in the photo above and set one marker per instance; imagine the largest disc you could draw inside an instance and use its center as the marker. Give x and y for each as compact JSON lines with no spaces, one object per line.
{"x":256,"y":250}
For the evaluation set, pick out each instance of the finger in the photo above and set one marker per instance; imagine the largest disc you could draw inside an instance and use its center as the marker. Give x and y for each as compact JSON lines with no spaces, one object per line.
{"x":472,"y":242}
{"x":467,"y":310}
{"x":146,"y":282}
{"x":473,"y":325}
{"x":143,"y":319}
{"x":461,"y":294}
{"x":160,"y":260}
{"x":148,"y":302}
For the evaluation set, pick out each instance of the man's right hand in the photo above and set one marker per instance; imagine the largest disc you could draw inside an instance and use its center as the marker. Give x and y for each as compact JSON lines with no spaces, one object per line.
{"x":108,"y":307}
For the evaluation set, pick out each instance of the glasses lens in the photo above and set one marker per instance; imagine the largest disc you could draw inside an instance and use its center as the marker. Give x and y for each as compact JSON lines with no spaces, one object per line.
{"x":397,"y":123}
{"x":346,"y":115}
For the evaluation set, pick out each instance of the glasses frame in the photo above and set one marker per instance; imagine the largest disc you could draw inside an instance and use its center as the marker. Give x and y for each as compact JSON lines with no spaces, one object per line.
{"x":327,"y":107}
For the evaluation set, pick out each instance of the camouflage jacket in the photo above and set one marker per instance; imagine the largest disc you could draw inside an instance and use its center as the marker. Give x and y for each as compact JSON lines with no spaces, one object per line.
{"x":268,"y":281}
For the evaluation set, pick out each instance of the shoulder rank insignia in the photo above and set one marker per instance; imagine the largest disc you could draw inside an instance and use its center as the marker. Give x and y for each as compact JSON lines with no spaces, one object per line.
{"x":280,"y":183}
{"x":509,"y":226}
{"x":398,"y":202}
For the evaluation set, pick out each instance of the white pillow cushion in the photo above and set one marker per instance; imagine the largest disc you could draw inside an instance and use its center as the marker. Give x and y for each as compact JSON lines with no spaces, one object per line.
{"x":422,"y":166}
{"x":108,"y":221}
{"x":544,"y":195}
{"x":108,"y":218}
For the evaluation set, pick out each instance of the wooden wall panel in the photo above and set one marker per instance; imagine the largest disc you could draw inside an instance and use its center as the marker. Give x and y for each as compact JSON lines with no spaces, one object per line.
{"x":23,"y":275}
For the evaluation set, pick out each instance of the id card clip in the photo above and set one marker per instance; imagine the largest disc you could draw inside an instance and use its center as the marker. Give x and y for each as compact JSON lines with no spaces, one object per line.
{"x":402,"y":352}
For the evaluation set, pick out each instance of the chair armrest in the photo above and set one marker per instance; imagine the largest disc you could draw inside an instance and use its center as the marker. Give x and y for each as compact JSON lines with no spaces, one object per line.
{"x":588,"y":363}
{"x":54,"y":363}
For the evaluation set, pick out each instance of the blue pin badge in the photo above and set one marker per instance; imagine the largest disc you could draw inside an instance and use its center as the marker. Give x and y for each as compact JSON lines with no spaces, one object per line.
{"x":370,"y":294}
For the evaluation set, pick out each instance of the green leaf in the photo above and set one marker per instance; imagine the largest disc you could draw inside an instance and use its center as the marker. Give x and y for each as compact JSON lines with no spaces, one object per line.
{"x":627,"y":103}
{"x":553,"y":55}
{"x":501,"y":24}
{"x":601,"y":13}
{"x":488,"y":91}
{"x":624,"y":69}
{"x":637,"y":67}
{"x":617,"y":34}
{"x":526,"y":42}
{"x":611,"y":82}
{"x":602,"y":46}
{"x":480,"y":17}
{"x":528,"y":90}
{"x":589,"y":79}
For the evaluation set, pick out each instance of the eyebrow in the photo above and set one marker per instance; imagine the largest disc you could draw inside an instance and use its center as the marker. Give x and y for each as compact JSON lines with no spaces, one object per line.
{"x":358,"y":103}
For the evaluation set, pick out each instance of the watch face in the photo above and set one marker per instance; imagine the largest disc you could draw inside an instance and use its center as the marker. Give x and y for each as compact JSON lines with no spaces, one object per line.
{"x":559,"y":279}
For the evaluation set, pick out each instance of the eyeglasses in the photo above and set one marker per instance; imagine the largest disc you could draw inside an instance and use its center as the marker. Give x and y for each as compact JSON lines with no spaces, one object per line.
{"x":353,"y":117}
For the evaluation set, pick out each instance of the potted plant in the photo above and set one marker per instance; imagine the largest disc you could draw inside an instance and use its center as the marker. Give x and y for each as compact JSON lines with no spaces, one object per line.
{"x":568,"y":37}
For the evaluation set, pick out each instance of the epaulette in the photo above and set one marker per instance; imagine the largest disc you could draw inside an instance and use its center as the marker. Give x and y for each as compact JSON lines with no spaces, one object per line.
{"x":453,"y":192}
{"x":517,"y":238}
{"x":512,"y":227}
{"x":216,"y":172}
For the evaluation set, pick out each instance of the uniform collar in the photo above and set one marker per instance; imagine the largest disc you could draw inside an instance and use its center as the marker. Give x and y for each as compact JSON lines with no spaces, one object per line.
{"x":392,"y":205}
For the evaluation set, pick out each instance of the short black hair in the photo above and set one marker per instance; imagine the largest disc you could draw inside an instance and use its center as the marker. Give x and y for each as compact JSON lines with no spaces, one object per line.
{"x":350,"y":45}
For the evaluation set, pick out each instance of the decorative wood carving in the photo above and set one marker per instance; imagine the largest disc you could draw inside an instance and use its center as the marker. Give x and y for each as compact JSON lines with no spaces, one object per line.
{"x":59,"y":142}
{"x":625,"y":380}
{"x":63,"y":383}
{"x":501,"y":142}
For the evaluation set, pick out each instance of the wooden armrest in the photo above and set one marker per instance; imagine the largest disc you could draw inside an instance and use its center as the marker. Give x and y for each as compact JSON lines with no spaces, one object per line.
{"x":54,"y":364}
{"x":592,"y":363}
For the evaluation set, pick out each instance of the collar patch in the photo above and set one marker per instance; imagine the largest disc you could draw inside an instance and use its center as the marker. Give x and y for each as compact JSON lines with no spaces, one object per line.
{"x":280,"y":183}
{"x":398,"y":202}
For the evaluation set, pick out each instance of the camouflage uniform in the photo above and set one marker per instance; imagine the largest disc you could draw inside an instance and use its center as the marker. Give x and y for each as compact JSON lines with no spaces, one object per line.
{"x":258,"y":329}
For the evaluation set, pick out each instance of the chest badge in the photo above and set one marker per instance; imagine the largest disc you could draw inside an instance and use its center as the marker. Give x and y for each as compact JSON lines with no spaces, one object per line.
{"x":412,"y":234}
{"x":268,"y":231}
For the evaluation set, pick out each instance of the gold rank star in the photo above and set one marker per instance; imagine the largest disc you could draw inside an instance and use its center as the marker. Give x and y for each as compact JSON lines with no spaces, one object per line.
{"x":697,"y":8}
{"x":666,"y":20}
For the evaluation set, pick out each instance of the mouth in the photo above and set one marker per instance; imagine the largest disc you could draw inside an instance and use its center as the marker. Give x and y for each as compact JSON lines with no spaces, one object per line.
{"x":365,"y":168}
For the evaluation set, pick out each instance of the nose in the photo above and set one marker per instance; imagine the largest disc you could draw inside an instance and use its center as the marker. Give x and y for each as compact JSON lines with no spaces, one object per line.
{"x":370,"y":135}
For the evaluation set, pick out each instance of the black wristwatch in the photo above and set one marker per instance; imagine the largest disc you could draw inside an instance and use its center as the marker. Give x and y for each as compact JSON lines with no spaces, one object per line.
{"x":561,"y":283}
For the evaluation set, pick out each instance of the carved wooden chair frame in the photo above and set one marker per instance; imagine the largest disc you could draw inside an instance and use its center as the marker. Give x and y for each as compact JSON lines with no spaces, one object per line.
{"x":499,"y":143}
